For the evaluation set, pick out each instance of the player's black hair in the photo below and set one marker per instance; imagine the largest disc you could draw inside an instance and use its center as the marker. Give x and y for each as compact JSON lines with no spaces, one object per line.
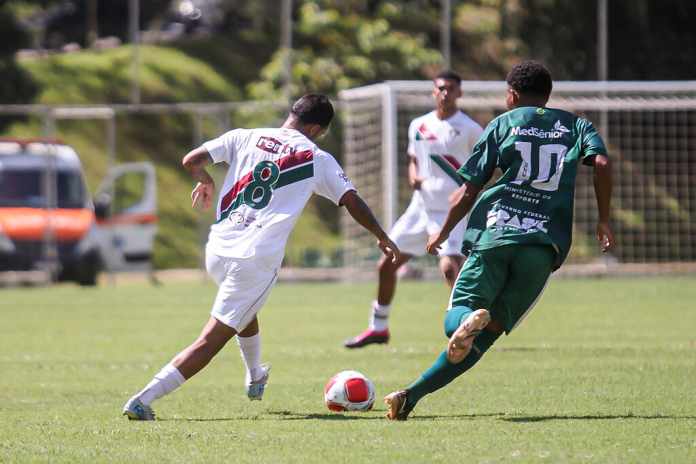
{"x":449,"y":74}
{"x":530,"y":78}
{"x":313,"y":109}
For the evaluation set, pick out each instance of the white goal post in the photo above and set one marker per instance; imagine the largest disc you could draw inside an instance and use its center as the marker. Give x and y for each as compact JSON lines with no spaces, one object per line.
{"x":650,"y":129}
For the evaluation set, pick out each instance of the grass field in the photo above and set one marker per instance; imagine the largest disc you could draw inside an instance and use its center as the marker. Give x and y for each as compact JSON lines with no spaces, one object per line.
{"x":601,"y":371}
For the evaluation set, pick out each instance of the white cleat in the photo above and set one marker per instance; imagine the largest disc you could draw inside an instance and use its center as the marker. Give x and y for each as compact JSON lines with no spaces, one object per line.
{"x":462,"y":339}
{"x":135,"y":409}
{"x":255,"y":388}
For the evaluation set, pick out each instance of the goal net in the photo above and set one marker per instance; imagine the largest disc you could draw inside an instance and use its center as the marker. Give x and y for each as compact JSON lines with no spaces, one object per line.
{"x":649,"y":127}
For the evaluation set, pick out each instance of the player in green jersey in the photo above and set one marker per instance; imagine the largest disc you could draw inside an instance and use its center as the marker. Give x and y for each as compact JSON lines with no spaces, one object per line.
{"x":520,"y":228}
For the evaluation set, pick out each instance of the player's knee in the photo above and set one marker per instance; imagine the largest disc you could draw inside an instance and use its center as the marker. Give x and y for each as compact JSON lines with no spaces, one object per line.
{"x":449,"y":273}
{"x":209,"y":344}
{"x":386,"y":266}
{"x":449,"y":266}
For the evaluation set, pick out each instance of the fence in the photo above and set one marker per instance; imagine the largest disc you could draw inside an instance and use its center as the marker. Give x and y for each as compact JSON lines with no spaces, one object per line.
{"x":650,"y":128}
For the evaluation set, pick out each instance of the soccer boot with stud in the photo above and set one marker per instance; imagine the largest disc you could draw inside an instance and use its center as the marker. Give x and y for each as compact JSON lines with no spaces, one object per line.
{"x":135,"y":409}
{"x":397,"y":404}
{"x":255,"y":388}
{"x":462,"y":339}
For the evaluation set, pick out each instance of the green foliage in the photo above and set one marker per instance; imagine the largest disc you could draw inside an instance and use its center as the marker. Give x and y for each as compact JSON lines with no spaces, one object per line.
{"x":166,"y":75}
{"x":16,"y":86}
{"x":596,"y":379}
{"x":336,"y":47}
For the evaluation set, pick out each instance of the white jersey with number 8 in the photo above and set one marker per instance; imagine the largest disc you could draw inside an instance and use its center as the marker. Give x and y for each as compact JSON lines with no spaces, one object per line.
{"x":272,"y":174}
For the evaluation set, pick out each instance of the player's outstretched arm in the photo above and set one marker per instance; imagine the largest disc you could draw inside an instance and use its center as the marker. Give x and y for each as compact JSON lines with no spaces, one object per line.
{"x":603,"y":187}
{"x":195,"y":162}
{"x":363,"y":215}
{"x":461,"y":202}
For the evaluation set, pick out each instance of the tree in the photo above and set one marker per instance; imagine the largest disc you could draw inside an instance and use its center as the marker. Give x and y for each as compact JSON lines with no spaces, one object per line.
{"x":337,"y":45}
{"x":16,"y":86}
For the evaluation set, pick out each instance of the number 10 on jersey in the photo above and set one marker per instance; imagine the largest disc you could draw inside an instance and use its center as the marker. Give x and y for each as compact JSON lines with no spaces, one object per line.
{"x":546,"y":167}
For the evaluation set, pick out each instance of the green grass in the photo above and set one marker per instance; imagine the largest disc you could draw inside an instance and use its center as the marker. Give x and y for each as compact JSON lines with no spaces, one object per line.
{"x":601,"y":371}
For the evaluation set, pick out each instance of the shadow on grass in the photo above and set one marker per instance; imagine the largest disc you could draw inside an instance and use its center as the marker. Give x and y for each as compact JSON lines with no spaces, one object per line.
{"x":330,"y":416}
{"x":524,"y":349}
{"x":595,"y":417}
{"x":289,"y":415}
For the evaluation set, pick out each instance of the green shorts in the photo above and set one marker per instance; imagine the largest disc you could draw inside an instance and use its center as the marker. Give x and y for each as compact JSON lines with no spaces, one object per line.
{"x":506,"y":280}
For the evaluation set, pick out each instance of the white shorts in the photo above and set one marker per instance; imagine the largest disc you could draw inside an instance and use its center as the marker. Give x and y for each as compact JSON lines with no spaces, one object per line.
{"x":412,"y":229}
{"x":242,"y":289}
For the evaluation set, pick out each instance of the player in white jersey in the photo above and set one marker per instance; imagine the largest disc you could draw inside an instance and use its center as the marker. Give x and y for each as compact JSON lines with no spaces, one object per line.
{"x":272,"y":174}
{"x":438,"y":144}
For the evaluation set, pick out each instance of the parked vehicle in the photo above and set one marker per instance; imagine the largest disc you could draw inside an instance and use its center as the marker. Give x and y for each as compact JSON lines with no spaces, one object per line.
{"x":48,"y":220}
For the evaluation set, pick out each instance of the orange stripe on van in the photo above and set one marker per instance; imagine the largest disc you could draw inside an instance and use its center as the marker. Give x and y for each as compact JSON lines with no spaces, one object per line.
{"x":32,"y":223}
{"x":129,"y":219}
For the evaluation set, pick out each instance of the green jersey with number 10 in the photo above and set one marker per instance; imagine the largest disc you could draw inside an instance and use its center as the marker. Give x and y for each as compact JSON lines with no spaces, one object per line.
{"x":537,"y":150}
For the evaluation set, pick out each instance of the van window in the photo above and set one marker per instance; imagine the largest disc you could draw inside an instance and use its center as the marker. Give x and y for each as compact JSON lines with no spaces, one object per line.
{"x":23,"y":188}
{"x":129,"y":190}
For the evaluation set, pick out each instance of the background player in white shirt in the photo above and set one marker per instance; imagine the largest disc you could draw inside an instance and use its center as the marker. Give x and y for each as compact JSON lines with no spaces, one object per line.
{"x":272,"y":173}
{"x":438,"y":144}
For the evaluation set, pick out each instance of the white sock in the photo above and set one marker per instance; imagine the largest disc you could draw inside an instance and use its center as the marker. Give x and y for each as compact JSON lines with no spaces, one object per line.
{"x":165,"y":381}
{"x":379,"y":317}
{"x":250,"y":349}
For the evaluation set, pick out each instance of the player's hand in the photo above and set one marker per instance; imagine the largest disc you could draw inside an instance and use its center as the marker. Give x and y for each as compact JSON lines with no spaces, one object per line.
{"x":605,"y":236}
{"x":389,"y":249}
{"x":434,"y":243}
{"x":202,"y":195}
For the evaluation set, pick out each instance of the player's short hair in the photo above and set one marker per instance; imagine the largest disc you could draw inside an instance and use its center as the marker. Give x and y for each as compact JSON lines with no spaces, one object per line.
{"x":530,"y":78}
{"x":313,"y":109}
{"x":449,"y":74}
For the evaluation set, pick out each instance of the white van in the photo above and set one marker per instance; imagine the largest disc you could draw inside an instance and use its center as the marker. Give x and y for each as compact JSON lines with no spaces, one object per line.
{"x":48,"y":220}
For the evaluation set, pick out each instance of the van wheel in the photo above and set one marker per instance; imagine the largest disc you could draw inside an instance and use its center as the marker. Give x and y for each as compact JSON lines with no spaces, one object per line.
{"x":89,"y":270}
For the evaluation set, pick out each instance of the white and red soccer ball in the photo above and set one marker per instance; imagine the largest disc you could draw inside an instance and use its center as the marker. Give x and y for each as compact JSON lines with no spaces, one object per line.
{"x":349,"y":391}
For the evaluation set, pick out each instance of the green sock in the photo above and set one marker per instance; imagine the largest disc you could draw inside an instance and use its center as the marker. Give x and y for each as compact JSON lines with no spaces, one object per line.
{"x":443,"y":372}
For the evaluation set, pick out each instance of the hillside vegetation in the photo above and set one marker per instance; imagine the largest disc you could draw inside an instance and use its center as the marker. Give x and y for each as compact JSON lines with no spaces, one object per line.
{"x":166,"y":75}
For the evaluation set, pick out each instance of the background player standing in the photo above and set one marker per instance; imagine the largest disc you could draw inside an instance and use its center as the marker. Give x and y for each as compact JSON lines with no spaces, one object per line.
{"x":520,"y":229}
{"x":272,"y":174}
{"x":439,"y":142}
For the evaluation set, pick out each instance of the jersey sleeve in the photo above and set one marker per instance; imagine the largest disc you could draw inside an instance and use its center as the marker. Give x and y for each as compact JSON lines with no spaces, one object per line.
{"x":479,"y":168}
{"x":224,"y":147}
{"x":331,"y":181}
{"x":592,"y":142}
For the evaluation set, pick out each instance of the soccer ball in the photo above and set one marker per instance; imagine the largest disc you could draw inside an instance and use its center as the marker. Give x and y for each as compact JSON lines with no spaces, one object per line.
{"x":349,"y":391}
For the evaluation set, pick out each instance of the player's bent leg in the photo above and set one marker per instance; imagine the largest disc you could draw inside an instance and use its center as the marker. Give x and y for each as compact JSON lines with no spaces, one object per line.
{"x":196,"y":356}
{"x":186,"y":364}
{"x":478,"y":285}
{"x":441,"y":373}
{"x":378,"y":329}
